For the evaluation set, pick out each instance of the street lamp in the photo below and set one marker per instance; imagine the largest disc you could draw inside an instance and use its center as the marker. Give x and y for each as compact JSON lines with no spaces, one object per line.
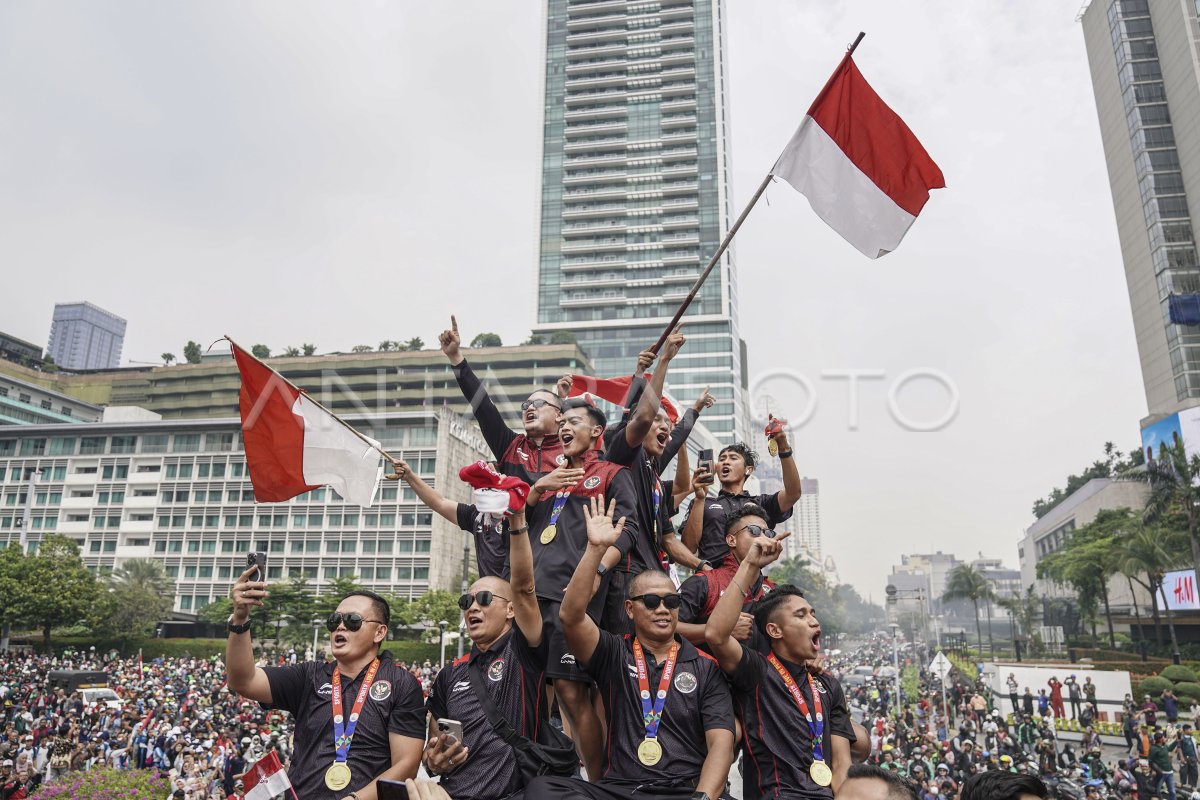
{"x":896,"y":662}
{"x":442,"y":625}
{"x":316,"y":623}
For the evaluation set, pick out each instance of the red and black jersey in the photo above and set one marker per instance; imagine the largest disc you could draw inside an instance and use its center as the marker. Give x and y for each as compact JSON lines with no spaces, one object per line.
{"x":516,"y":454}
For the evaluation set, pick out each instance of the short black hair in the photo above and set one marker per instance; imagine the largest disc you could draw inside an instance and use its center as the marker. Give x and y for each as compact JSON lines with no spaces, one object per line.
{"x":898,"y":788}
{"x":743,"y":450}
{"x":764,"y":608}
{"x":595,"y":414}
{"x":748,"y":510}
{"x":1000,"y":785}
{"x":381,"y":606}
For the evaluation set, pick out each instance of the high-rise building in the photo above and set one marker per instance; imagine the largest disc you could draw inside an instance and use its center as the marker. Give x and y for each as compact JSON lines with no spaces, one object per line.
{"x":1145,"y":72}
{"x":635,"y":191}
{"x":84,"y":336}
{"x":806,"y":520}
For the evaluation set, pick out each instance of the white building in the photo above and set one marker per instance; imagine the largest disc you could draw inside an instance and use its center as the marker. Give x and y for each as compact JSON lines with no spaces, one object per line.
{"x":84,"y":336}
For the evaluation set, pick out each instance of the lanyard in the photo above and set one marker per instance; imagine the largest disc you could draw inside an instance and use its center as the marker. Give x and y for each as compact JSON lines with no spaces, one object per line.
{"x":657,"y":496}
{"x":817,"y":727}
{"x":560,"y":501}
{"x":342,"y":736}
{"x":652,"y":715}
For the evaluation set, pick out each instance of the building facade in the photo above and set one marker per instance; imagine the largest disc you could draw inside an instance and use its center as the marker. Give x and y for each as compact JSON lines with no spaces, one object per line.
{"x":84,"y":336}
{"x":19,"y":351}
{"x":1146,"y":78}
{"x":25,"y":403}
{"x":635,"y":191}
{"x":136,"y":486}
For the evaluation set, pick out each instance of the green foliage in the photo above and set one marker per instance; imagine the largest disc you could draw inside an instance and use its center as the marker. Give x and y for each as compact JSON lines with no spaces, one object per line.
{"x":13,"y":585}
{"x":361,"y":348}
{"x":1113,"y":463}
{"x":964,"y":582}
{"x":139,"y":596}
{"x":1177,"y":673}
{"x":191,"y":352}
{"x":167,"y":359}
{"x":291,"y":352}
{"x":1155,"y":685}
{"x":414,"y":344}
{"x":430,"y":608}
{"x":1188,"y":689}
{"x":486,"y":340}
{"x":59,"y":588}
{"x":409,"y":651}
{"x":910,"y":681}
{"x":309,"y":349}
{"x":106,"y":784}
{"x":534,"y":338}
{"x":260,"y":351}
{"x":49,"y":364}
{"x":840,"y":608}
{"x":563,"y":337}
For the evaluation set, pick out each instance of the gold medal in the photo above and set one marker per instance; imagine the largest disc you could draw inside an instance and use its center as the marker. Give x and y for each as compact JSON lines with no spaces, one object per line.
{"x":337,"y":777}
{"x":820,"y":772}
{"x":649,"y":752}
{"x":773,"y":449}
{"x":548,"y":533}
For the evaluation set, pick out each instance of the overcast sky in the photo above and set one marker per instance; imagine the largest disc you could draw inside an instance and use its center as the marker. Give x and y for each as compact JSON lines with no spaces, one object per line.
{"x":342,"y":173}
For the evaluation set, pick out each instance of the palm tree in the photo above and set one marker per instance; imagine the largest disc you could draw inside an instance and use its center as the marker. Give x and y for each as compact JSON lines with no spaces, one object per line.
{"x":167,"y":359}
{"x":1024,"y":611}
{"x":1173,"y":479}
{"x":414,"y":344}
{"x":1153,"y":551}
{"x":144,"y":574}
{"x":967,"y":583}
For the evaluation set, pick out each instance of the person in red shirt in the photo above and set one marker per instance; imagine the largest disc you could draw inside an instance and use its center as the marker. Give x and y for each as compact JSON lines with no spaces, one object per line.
{"x":1056,"y":698}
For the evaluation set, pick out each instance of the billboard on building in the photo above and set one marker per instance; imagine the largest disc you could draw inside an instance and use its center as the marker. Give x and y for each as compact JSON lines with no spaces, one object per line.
{"x":1184,"y":426}
{"x":1180,"y":589}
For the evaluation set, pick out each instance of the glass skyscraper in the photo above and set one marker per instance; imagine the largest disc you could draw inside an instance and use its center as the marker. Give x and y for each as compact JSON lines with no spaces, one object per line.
{"x":635,"y":192}
{"x":84,"y":336}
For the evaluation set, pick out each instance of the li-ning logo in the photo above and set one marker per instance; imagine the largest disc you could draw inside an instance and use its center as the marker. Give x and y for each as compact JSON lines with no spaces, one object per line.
{"x":1185,"y":590}
{"x":325,"y":690}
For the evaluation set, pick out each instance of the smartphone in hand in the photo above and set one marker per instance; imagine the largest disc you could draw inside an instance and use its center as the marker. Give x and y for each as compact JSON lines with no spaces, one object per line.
{"x":257,"y":560}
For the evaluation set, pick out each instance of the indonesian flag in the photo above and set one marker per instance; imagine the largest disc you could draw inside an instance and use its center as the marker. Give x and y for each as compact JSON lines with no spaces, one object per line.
{"x":266,"y":779}
{"x":616,"y":390}
{"x":294,"y":445}
{"x":861,"y":168}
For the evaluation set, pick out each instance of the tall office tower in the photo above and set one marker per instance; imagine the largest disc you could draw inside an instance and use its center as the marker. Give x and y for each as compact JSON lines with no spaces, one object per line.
{"x":84,"y":336}
{"x":1144,"y":73}
{"x":635,"y":192}
{"x":806,"y":521}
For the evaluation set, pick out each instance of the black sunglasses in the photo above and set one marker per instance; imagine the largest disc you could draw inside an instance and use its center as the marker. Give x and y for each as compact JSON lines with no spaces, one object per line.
{"x":758,"y":530}
{"x":484,"y":599}
{"x":528,"y":404}
{"x":652,"y":601}
{"x":353,"y":621}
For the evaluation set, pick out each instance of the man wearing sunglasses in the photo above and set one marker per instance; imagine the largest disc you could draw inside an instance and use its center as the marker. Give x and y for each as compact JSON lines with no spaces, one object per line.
{"x":705,"y":529}
{"x":528,"y":455}
{"x":701,"y":592}
{"x":508,"y":656}
{"x":670,"y":719}
{"x":795,"y":717}
{"x":358,"y":719}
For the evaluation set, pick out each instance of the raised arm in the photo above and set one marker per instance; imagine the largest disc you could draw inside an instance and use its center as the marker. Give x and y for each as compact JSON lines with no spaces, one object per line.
{"x":790,"y":493}
{"x":648,"y":405}
{"x":431,"y":497}
{"x":580,"y":631}
{"x":724,"y":618}
{"x":491,"y":422}
{"x":681,"y":487}
{"x":678,"y":553}
{"x":245,"y":678}
{"x":520,"y":560}
{"x":693,"y":527}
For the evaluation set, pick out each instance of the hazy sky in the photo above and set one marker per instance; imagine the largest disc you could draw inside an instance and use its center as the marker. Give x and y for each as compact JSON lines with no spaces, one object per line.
{"x":342,"y":173}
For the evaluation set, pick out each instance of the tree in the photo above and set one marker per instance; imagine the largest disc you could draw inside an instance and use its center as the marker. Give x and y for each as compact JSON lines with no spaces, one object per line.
{"x":260,"y":351}
{"x":1154,"y":551}
{"x":414,"y":344}
{"x":386,"y":346}
{"x":191,"y":352}
{"x":563,"y":337}
{"x":61,"y":590}
{"x":486,"y":340}
{"x":361,"y":348}
{"x":309,"y":349}
{"x":333,"y":592}
{"x":291,"y":603}
{"x":1024,"y":611}
{"x":1114,"y":463}
{"x":291,"y":352}
{"x":167,"y":359}
{"x":964,"y":582}
{"x":139,"y":595}
{"x":1173,"y":489}
{"x":14,"y":587}
{"x":534,"y":338}
{"x":49,"y":364}
{"x":430,"y":609}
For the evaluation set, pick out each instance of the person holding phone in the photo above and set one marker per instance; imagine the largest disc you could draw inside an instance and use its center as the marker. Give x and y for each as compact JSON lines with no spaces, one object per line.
{"x":704,"y":530}
{"x":510,"y":643}
{"x":358,"y":718}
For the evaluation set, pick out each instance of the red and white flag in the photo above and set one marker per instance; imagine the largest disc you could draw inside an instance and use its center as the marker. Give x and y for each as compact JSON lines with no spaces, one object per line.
{"x":861,"y":168}
{"x":266,"y":779}
{"x":294,"y":445}
{"x":616,"y":391}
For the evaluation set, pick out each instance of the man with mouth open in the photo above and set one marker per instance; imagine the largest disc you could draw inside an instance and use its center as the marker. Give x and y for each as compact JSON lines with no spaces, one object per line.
{"x":670,"y":720}
{"x":508,"y":655}
{"x":358,"y":719}
{"x":795,"y":718}
{"x":528,"y":455}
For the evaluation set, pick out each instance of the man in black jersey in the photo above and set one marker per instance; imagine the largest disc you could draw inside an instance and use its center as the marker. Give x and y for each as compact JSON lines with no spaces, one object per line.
{"x":670,"y":722}
{"x":795,"y":718}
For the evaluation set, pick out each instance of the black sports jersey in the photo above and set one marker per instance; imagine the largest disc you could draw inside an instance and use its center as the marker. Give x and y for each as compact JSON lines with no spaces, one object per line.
{"x":713,"y":547}
{"x":777,"y":738}
{"x":394,"y":704}
{"x":698,"y":700}
{"x":513,"y":674}
{"x":491,"y":542}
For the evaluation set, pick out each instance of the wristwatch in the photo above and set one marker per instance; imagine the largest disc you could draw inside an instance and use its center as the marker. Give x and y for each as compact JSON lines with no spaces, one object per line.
{"x":700,"y":796}
{"x":702,"y":566}
{"x":229,"y":626}
{"x":601,"y":569}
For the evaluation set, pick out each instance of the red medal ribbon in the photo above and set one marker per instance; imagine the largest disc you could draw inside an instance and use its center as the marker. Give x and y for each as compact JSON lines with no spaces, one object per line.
{"x":343,"y":735}
{"x":652,"y":714}
{"x":817,"y":728}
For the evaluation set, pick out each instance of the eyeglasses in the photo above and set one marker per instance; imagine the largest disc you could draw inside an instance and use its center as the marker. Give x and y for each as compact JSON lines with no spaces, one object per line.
{"x":528,"y":404}
{"x":653,"y":601}
{"x":353,"y":621}
{"x":484,"y":599}
{"x":758,"y":530}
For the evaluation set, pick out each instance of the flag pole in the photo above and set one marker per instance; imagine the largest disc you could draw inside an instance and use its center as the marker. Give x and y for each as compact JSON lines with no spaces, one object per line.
{"x":687,"y":301}
{"x":341,"y":421}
